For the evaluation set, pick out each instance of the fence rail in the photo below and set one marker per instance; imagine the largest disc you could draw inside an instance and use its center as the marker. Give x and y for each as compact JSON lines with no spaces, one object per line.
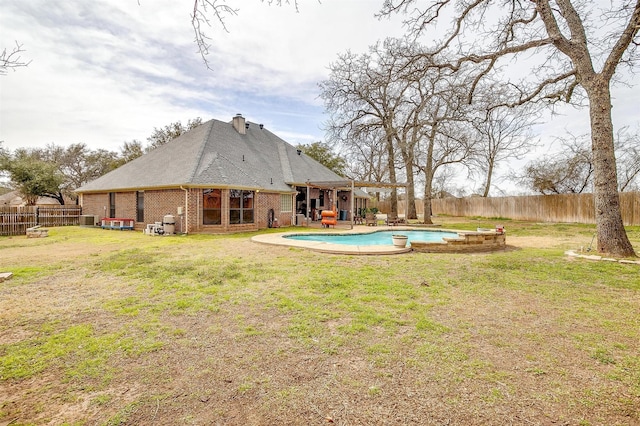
{"x":16,"y":220}
{"x":566,"y":208}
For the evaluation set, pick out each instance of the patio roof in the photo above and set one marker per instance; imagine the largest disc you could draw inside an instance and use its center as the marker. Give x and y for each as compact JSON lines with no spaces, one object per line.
{"x":348,"y":184}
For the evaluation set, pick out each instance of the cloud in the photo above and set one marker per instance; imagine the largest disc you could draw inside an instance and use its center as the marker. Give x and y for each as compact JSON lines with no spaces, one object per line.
{"x":105,"y":72}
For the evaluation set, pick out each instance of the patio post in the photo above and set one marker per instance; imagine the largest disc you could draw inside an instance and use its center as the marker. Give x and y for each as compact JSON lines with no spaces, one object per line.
{"x":307,"y":209}
{"x":353,"y":200}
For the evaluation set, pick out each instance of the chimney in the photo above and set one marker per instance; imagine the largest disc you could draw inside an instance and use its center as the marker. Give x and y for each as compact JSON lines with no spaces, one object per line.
{"x":239,"y":124}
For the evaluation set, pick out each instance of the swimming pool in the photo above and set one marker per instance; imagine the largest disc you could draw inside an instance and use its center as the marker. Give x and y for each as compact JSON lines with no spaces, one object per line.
{"x":374,"y":238}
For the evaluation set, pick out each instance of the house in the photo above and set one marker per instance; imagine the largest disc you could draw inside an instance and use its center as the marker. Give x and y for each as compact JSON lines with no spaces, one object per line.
{"x":218,"y":177}
{"x":14,"y":199}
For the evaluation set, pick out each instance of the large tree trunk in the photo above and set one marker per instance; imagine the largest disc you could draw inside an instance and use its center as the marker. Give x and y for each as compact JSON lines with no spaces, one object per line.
{"x":410,"y":191}
{"x":612,"y":238}
{"x":428,"y":177}
{"x":391,"y":163}
{"x":426,"y":203}
{"x":487,"y":182}
{"x":411,"y":212}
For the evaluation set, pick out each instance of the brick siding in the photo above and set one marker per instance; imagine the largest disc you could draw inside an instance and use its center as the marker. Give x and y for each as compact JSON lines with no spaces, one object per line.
{"x":158,"y":203}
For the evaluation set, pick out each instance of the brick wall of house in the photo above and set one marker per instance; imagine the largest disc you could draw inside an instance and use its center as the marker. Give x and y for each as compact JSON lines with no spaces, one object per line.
{"x":126,"y":205}
{"x":95,"y":204}
{"x":265,"y":202}
{"x":158,"y":203}
{"x":98,"y":204}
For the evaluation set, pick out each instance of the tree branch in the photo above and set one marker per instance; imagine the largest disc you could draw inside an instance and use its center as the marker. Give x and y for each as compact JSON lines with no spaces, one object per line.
{"x":626,"y":38}
{"x":219,"y":11}
{"x":12,"y":60}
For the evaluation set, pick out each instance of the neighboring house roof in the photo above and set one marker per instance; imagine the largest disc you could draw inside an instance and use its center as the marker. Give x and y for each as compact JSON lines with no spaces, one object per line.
{"x":217,"y":154}
{"x":8,"y":198}
{"x":14,"y":199}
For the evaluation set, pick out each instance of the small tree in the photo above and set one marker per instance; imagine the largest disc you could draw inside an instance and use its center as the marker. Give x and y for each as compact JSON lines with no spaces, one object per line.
{"x":169,"y":132}
{"x":130,"y":151}
{"x":33,"y":177}
{"x":78,"y":164}
{"x":322,"y":153}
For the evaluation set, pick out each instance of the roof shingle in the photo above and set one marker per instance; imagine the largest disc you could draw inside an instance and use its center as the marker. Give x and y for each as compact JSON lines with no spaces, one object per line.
{"x":215,"y":154}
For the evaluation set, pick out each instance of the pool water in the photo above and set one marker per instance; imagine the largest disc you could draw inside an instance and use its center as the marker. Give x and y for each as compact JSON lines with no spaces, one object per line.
{"x":375,"y":238}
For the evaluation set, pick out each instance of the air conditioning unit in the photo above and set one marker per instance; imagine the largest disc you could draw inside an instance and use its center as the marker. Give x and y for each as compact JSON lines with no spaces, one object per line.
{"x":87,"y":220}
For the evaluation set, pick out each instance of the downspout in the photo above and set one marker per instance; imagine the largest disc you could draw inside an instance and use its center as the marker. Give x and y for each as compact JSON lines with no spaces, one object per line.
{"x":186,"y":210}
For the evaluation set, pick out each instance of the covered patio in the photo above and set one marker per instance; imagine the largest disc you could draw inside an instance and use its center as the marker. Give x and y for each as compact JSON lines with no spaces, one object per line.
{"x":346,"y":219}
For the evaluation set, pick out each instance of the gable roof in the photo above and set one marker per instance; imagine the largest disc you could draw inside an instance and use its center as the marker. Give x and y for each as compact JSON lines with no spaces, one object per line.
{"x":216,"y":154}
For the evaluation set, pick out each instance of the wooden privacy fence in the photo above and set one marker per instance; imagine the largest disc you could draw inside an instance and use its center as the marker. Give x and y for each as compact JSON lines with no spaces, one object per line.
{"x":16,"y":220}
{"x":567,"y":208}
{"x":385,"y":206}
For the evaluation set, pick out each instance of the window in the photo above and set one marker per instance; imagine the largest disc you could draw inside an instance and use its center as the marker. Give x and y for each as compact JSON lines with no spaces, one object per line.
{"x":321,"y":198}
{"x":140,"y":206}
{"x":112,"y":204}
{"x":212,"y":207}
{"x":286,"y":203}
{"x":240,"y":206}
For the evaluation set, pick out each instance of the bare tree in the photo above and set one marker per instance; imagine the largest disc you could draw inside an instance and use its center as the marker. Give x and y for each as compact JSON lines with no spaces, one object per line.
{"x":444,"y":143}
{"x":414,"y":107}
{"x":569,"y":38}
{"x":503,"y":134}
{"x":440,"y":127}
{"x":366,"y":158}
{"x":568,"y":171}
{"x":628,"y":159}
{"x":12,"y":59}
{"x":443,"y":184}
{"x":362,"y":99}
{"x":571,"y":169}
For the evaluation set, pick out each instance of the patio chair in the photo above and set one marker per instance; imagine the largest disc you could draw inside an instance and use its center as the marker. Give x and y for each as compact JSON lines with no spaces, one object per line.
{"x":392,"y":219}
{"x":371,"y":219}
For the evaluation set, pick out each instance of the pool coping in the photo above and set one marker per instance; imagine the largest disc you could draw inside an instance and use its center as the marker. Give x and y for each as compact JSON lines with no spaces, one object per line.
{"x":323,"y":247}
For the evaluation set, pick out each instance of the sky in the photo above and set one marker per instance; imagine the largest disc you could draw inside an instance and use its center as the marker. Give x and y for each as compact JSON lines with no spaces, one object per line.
{"x":106,"y":72}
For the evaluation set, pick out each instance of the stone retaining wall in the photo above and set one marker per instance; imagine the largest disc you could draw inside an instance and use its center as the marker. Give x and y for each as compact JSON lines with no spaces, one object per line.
{"x":467,"y":242}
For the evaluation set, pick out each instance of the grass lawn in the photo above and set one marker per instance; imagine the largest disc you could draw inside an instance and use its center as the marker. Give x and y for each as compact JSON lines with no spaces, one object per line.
{"x":105,"y":327}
